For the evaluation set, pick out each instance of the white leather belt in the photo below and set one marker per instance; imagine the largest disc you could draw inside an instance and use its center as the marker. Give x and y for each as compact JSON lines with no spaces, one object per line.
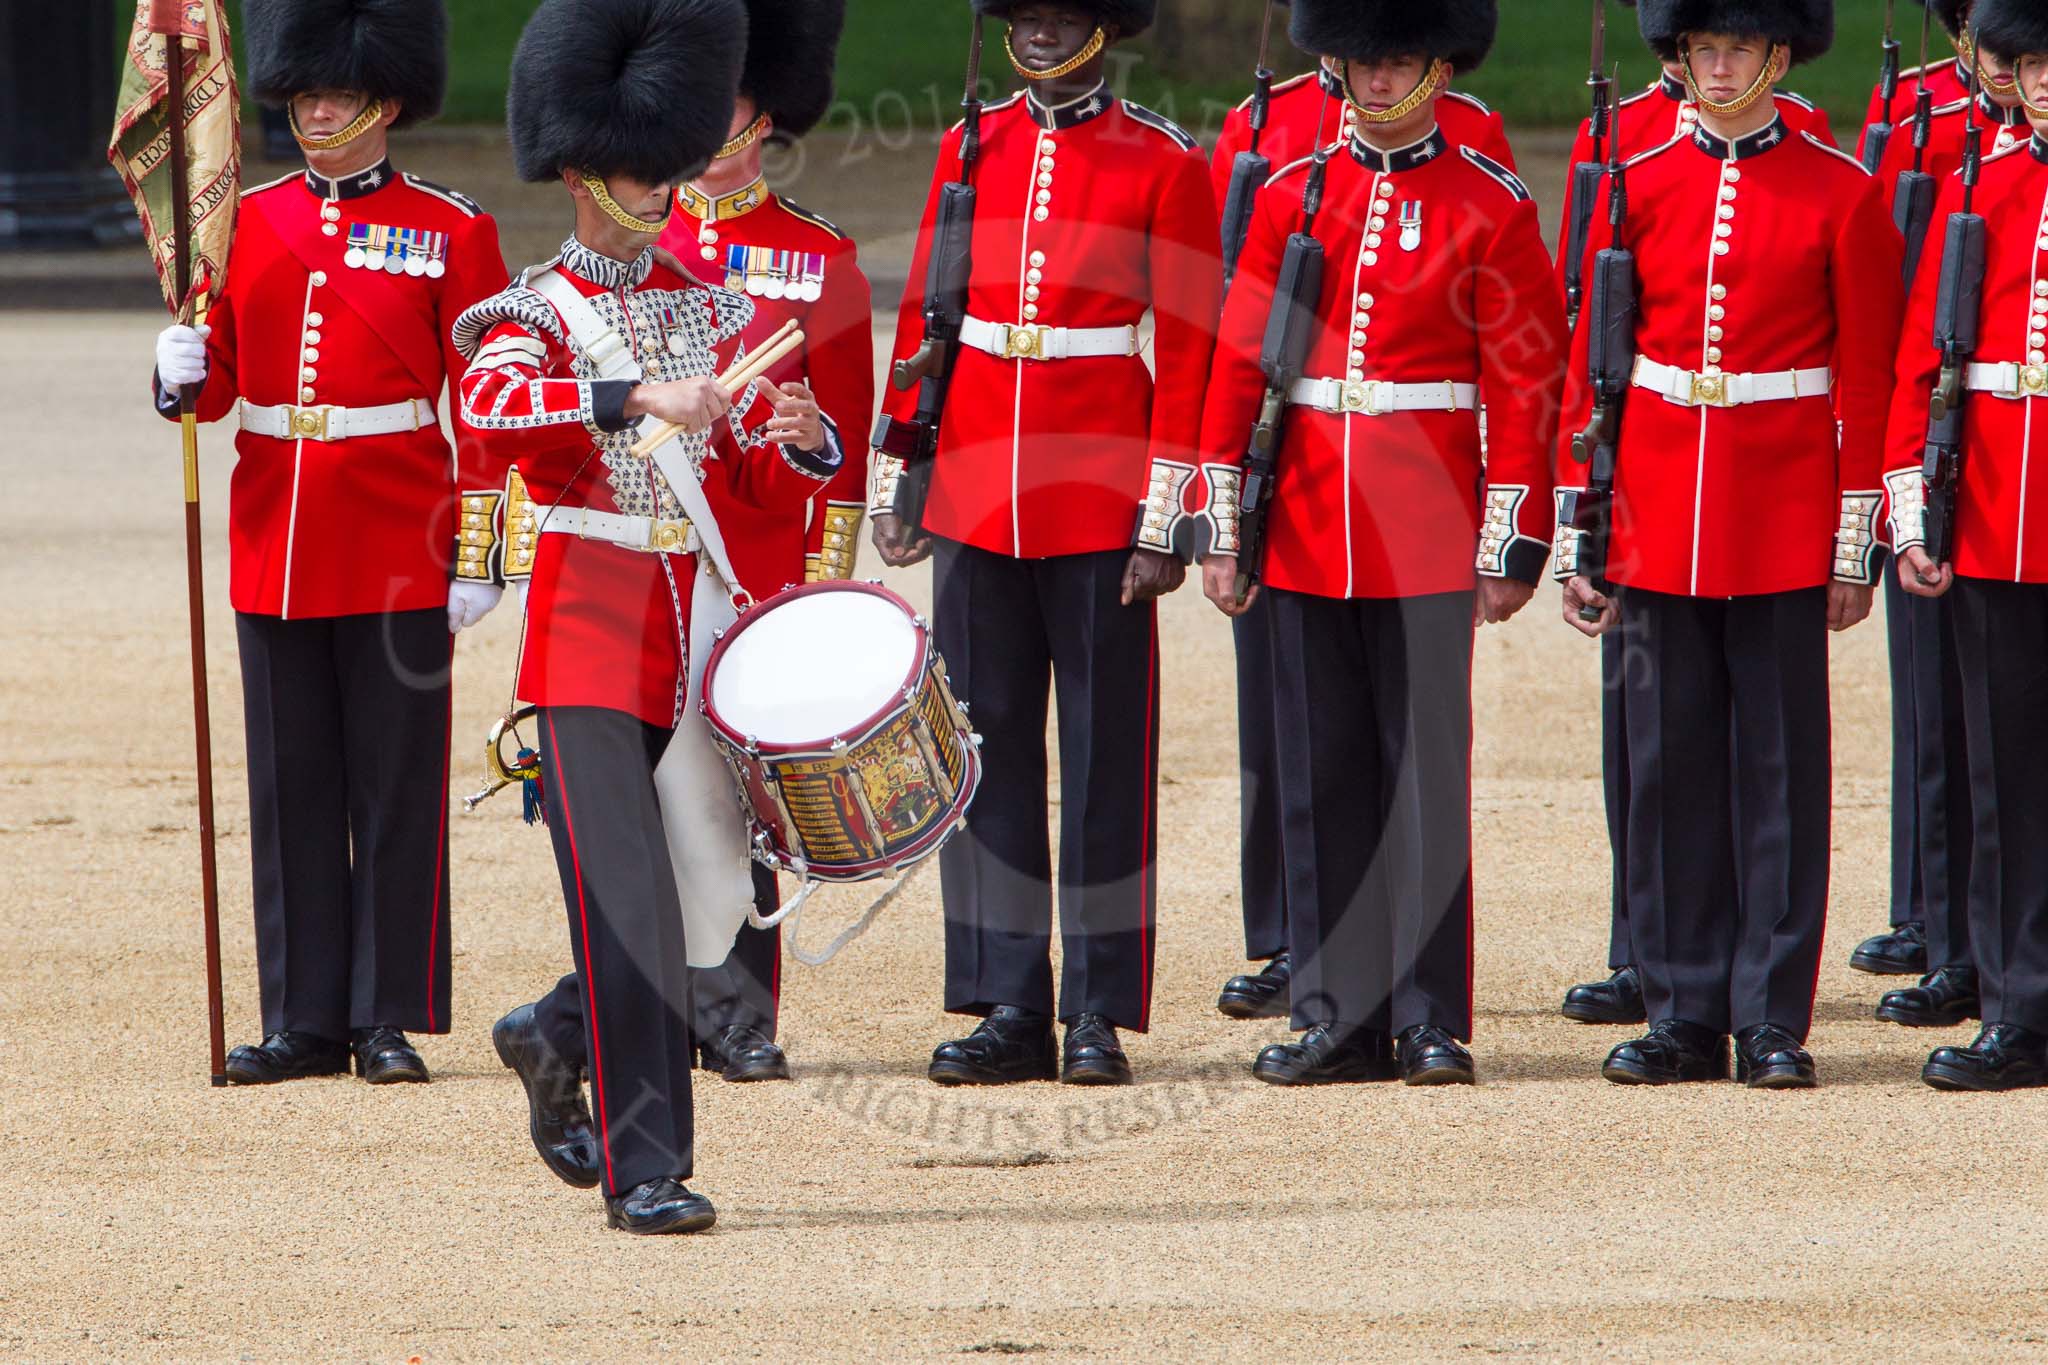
{"x":2005,"y":379}
{"x":1030,"y":341}
{"x":1377,"y":397}
{"x":1691,"y":389}
{"x":652,"y":535}
{"x":328,"y":423}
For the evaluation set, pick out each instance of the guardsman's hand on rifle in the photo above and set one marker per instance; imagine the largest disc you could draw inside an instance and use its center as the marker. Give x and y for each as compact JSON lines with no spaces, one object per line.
{"x":1578,"y":593}
{"x":1848,"y":603}
{"x":693,"y":404}
{"x":1921,"y":576}
{"x":1500,"y":598}
{"x":181,"y":357}
{"x":798,"y":421}
{"x":1219,"y":585}
{"x":893,"y":542}
{"x":1151,"y":574}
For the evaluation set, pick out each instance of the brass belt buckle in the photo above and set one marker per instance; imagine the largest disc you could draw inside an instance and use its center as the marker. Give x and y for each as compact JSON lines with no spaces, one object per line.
{"x":310,"y":424}
{"x":1024,"y":343}
{"x":1710,"y":390}
{"x":1360,"y":395}
{"x":2034,"y":380}
{"x":667,"y":537}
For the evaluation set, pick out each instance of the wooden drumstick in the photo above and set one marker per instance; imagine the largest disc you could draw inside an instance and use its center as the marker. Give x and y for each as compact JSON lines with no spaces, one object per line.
{"x":735,"y":380}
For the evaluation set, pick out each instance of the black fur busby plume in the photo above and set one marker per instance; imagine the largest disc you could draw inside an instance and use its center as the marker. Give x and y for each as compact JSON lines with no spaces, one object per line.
{"x":1459,"y":31}
{"x":389,"y":49}
{"x":2011,"y":28}
{"x":643,"y":88}
{"x":792,"y":48}
{"x":1128,"y":17}
{"x":1953,"y":14}
{"x":1807,"y":27}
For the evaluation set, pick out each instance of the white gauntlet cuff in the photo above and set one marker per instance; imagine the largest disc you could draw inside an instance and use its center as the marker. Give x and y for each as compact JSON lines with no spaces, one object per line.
{"x":1856,"y":538}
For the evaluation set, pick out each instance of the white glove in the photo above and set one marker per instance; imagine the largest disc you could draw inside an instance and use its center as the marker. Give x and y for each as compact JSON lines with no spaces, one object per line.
{"x":181,"y":357}
{"x":469,"y":603}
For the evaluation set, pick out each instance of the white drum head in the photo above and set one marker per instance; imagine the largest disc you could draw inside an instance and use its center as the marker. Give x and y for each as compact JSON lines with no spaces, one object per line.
{"x":812,"y":669}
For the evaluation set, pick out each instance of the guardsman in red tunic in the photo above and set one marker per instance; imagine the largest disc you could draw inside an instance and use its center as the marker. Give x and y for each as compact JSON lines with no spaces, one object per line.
{"x":1744,"y":530}
{"x":1291,"y":129}
{"x":1948,"y":81}
{"x":1061,"y":470}
{"x":1390,"y":537}
{"x":570,"y":369}
{"x":1640,"y":122}
{"x":1996,"y":579}
{"x":731,"y":230}
{"x":330,"y":351}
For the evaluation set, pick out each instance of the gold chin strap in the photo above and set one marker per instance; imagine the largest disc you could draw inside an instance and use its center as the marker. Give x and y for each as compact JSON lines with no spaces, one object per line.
{"x":1431,"y":82}
{"x":1068,"y":67}
{"x":747,"y":138}
{"x":1992,"y":83}
{"x":617,"y":213}
{"x":372,"y":112}
{"x":1758,"y":88}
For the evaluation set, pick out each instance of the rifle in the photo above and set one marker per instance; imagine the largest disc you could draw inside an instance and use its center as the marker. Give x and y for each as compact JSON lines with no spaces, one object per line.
{"x":1610,"y":360}
{"x":1585,"y":181}
{"x":1878,"y":134}
{"x":1249,"y":170}
{"x":1913,"y":196}
{"x":1290,"y":327}
{"x":916,"y":442}
{"x":1956,"y":310}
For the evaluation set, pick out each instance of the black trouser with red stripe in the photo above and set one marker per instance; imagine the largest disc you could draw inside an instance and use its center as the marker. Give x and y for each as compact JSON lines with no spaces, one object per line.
{"x":1378,"y":730}
{"x":1263,"y":823}
{"x":746,"y":987}
{"x":1614,"y":794}
{"x":1903,"y":645}
{"x":1941,"y":781}
{"x":347,"y":724}
{"x":1003,"y":626}
{"x":1729,"y":774}
{"x":630,"y":1028}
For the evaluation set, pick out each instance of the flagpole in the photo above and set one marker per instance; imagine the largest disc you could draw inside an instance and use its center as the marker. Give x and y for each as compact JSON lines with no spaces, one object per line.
{"x":165,"y":19}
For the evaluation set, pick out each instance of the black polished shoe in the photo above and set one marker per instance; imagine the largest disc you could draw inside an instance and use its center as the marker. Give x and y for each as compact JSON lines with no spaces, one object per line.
{"x":1431,"y":1056}
{"x":1671,"y":1052}
{"x":1899,"y":952}
{"x":1617,"y":1000}
{"x":1092,"y":1054}
{"x":655,"y":1207}
{"x":384,"y":1057}
{"x":1771,"y":1058}
{"x":1012,"y":1044}
{"x":1321,"y":1057}
{"x":286,"y":1056}
{"x":741,"y":1052}
{"x":1264,"y":994}
{"x":1944,"y":998}
{"x":557,"y":1119}
{"x":2004,"y":1057}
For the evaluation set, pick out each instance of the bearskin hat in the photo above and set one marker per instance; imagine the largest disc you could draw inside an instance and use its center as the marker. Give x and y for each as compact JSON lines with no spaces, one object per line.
{"x":2011,"y":28}
{"x":1953,"y":15}
{"x":792,"y":47}
{"x":389,"y":49}
{"x":1128,"y":17}
{"x":1459,"y":31}
{"x":1807,"y":27}
{"x":643,"y":88}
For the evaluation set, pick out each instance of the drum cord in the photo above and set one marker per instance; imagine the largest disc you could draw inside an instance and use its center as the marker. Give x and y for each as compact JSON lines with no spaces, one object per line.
{"x":792,"y":913}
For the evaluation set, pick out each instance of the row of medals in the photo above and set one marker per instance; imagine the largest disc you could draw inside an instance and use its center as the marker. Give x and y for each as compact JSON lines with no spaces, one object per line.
{"x":396,"y":251}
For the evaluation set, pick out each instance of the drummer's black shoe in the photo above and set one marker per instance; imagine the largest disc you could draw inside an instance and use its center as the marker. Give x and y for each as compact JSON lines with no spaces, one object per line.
{"x":384,"y":1057}
{"x":654,"y":1207}
{"x":741,"y":1052}
{"x":1617,"y":1000}
{"x":2004,"y":1057}
{"x":1093,"y":1056}
{"x":557,"y":1119}
{"x":1897,"y":952}
{"x":1672,"y":1051}
{"x":1323,"y":1057}
{"x":1012,"y":1044}
{"x":286,"y":1056}
{"x":1944,"y":998}
{"x":1431,"y":1056}
{"x":1771,"y":1058}
{"x":1263,"y":994}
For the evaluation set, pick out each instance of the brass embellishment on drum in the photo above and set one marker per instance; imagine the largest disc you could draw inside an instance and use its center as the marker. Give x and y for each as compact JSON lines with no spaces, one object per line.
{"x":1225,"y":490}
{"x":1497,"y":528}
{"x":476,"y":536}
{"x":1909,"y":507}
{"x":1856,"y":538}
{"x":1161,"y":516}
{"x":882,"y":490}
{"x":522,"y":528}
{"x":840,"y":545}
{"x":1564,"y":552}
